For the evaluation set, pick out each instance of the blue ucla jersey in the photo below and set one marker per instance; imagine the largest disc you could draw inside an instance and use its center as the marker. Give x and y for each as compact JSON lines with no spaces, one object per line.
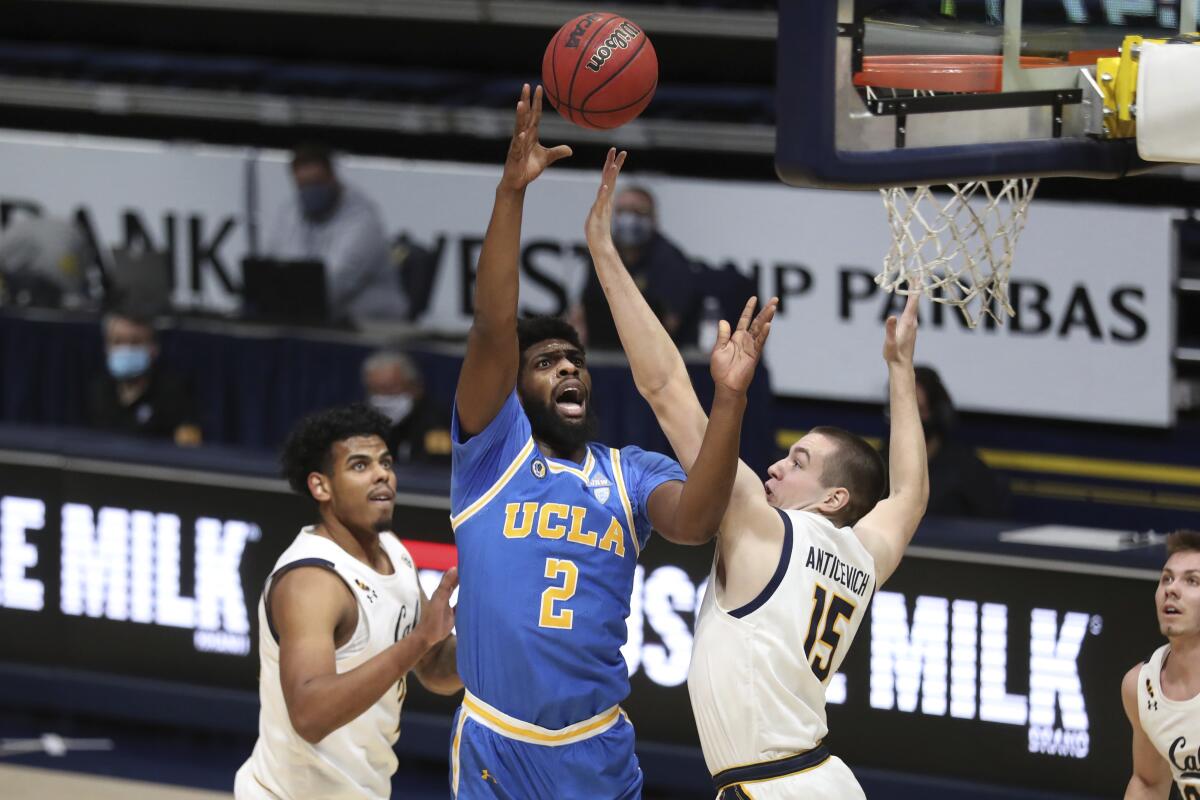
{"x":546,"y":557}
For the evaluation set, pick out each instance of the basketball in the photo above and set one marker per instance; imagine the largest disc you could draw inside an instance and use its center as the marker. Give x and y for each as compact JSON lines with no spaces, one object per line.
{"x":600,"y":70}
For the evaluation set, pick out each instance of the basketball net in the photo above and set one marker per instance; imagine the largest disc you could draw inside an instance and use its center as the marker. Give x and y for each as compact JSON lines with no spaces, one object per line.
{"x":952,"y":243}
{"x":956,"y":248}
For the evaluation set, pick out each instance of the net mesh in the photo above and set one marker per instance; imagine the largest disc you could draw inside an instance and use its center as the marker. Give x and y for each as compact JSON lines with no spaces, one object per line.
{"x":956,"y":245}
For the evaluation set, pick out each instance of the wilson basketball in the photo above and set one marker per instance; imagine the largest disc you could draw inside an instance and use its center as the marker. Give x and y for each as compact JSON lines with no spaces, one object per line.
{"x":600,"y":70}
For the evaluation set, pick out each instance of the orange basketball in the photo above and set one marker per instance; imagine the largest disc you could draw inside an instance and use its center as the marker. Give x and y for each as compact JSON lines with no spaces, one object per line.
{"x":600,"y":70}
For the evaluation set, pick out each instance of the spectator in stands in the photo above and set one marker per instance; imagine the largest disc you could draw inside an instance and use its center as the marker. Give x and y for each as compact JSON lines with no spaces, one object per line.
{"x":44,"y":262}
{"x":960,"y":484}
{"x":420,"y":428}
{"x":331,"y":221}
{"x":669,"y":280}
{"x":135,"y":394}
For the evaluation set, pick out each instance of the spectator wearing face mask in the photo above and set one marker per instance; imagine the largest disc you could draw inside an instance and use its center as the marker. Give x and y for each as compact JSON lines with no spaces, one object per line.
{"x":669,"y":280}
{"x":960,"y":484}
{"x":135,"y":395}
{"x":333,"y":222}
{"x":420,"y":429}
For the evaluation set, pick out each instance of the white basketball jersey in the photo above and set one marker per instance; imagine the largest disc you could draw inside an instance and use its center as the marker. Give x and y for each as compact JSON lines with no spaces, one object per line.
{"x":356,"y":760}
{"x":1173,"y":726}
{"x":759,"y":672}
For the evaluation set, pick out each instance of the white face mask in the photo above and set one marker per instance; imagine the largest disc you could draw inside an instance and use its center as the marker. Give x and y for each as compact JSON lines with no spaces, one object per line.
{"x":395,"y":407}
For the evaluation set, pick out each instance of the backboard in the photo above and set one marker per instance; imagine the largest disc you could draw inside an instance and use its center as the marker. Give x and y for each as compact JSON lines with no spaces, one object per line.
{"x":879,"y":93}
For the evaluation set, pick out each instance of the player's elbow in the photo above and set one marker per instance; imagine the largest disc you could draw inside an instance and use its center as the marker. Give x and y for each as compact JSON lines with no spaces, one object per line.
{"x":308,"y":724}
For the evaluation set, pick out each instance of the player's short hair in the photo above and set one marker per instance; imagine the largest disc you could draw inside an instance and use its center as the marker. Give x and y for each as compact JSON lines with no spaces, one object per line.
{"x":858,"y":467}
{"x":1183,"y":541}
{"x":309,"y":446}
{"x":312,"y":153}
{"x":532,"y":330}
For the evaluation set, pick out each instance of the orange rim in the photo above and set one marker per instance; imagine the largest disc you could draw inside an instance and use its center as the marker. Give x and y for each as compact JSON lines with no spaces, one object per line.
{"x":943,"y":73}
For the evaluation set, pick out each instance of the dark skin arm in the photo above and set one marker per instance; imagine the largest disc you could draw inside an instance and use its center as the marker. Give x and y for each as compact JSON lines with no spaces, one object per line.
{"x":312,"y":609}
{"x":489,"y":371}
{"x":438,"y":669}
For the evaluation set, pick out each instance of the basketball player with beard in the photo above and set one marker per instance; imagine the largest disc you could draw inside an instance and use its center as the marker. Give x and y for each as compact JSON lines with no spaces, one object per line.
{"x":549,"y":525}
{"x":1162,"y":696}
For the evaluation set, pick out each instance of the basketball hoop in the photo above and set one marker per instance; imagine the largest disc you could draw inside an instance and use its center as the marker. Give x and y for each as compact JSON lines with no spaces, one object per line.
{"x":955,"y":243}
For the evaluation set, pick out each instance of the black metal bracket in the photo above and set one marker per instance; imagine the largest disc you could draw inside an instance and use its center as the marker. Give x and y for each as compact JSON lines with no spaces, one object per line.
{"x":934,"y":104}
{"x":901,"y":107}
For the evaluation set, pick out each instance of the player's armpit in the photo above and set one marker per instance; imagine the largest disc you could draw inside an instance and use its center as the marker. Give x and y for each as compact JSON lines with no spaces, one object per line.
{"x":750,"y":546}
{"x":1151,"y":778}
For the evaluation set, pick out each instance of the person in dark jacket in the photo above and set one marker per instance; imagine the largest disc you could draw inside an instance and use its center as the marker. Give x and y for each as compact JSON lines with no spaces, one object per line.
{"x":136,"y":394}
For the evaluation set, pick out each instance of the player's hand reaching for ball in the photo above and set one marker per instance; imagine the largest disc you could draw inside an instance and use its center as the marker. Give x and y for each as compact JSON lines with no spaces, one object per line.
{"x":437,"y":618}
{"x":900,"y":334}
{"x":599,"y":220}
{"x":737,"y":351}
{"x":527,"y":158}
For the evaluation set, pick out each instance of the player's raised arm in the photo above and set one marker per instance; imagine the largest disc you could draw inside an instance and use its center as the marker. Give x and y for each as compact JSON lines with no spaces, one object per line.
{"x":707,"y":448}
{"x":1151,"y":779}
{"x":693,"y":513}
{"x":489,"y":370}
{"x":658,"y":369}
{"x":888,"y":528}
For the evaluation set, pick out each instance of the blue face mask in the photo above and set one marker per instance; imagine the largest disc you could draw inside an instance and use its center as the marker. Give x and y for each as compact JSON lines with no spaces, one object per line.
{"x":631,"y":229}
{"x":318,"y":199}
{"x":128,"y":361}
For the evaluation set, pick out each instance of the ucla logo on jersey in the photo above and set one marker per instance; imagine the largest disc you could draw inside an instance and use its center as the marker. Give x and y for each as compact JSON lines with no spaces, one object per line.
{"x":559,"y":520}
{"x":371,"y":594}
{"x":538,"y":468}
{"x":602,"y":487}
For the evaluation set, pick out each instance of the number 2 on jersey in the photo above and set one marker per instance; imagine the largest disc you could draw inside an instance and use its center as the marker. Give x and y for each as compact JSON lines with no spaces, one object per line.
{"x":825,"y":613}
{"x":564,"y":618}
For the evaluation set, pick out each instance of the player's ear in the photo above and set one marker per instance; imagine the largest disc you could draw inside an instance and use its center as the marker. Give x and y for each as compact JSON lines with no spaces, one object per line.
{"x":318,"y":487}
{"x":835,"y":500}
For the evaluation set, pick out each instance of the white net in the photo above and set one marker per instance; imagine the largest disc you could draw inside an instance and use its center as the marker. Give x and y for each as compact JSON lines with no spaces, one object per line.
{"x":955,"y":243}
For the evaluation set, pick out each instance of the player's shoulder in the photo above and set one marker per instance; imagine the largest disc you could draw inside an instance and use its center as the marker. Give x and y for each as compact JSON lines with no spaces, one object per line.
{"x":396,"y":550}
{"x":632,"y":454}
{"x":1129,"y":682}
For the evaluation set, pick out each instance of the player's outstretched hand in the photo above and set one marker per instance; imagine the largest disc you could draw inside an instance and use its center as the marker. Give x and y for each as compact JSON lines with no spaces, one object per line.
{"x":900,"y":336}
{"x":437,"y":619}
{"x":737,"y":351}
{"x":599,"y":220}
{"x":527,"y":159}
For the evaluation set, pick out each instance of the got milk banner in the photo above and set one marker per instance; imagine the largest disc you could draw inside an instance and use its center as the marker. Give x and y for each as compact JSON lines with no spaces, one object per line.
{"x":1091,"y":340}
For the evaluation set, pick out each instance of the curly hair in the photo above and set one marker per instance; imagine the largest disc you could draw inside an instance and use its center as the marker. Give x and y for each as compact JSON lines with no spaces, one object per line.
{"x":308,"y":446}
{"x":532,"y":330}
